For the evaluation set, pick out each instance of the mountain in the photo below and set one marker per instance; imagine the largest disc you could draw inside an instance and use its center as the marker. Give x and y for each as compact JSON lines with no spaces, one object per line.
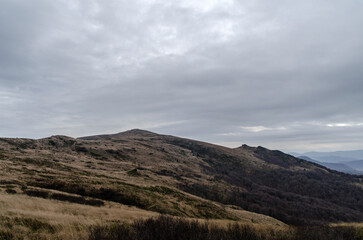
{"x":337,"y":156}
{"x":356,"y":164}
{"x":344,"y":161}
{"x":308,"y":159}
{"x":341,"y":167}
{"x":181,"y":177}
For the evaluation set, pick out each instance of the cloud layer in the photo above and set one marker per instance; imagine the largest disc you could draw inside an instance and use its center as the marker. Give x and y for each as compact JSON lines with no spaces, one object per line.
{"x":283,"y":74}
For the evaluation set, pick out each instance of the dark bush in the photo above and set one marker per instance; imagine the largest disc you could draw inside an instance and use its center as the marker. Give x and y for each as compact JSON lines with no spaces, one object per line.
{"x":76,"y":199}
{"x":10,"y":191}
{"x":168,"y":228}
{"x":81,"y":149}
{"x":37,"y":193}
{"x":133,"y":173}
{"x":127,"y":197}
{"x":326,"y":232}
{"x":64,"y":197}
{"x":5,"y":235}
{"x":34,"y":224}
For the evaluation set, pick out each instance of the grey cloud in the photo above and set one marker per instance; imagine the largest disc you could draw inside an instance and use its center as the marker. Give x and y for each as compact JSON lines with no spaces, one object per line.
{"x":196,"y":69}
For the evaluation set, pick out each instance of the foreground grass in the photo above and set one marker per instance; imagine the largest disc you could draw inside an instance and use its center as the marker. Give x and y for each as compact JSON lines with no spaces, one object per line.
{"x":26,"y":217}
{"x":167,"y":228}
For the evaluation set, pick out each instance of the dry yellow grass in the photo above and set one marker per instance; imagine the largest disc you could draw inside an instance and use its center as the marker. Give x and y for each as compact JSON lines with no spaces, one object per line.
{"x":348,"y":224}
{"x":63,"y":220}
{"x":68,"y":220}
{"x":255,"y":218}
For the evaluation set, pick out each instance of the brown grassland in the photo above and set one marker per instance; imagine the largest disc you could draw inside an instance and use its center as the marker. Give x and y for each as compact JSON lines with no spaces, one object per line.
{"x":36,"y":218}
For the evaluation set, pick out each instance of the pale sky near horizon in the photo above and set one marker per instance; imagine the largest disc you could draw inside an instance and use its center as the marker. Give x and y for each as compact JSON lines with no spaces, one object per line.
{"x":280,"y":74}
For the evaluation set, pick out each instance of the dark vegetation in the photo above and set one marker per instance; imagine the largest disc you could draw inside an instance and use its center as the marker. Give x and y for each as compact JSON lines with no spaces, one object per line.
{"x":34,"y":225}
{"x":167,"y":228}
{"x":301,"y":197}
{"x":158,"y":198}
{"x":10,"y":191}
{"x":134,"y":172}
{"x":64,"y":197}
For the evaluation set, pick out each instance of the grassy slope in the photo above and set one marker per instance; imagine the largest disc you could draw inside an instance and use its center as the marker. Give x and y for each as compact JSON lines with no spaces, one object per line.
{"x":24,"y":217}
{"x":43,"y":181}
{"x":256,"y":179}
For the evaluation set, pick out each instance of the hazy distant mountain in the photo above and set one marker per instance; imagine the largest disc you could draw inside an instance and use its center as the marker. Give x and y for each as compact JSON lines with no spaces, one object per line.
{"x":357,"y":164}
{"x":341,"y":167}
{"x":308,"y":159}
{"x":338,"y":156}
{"x":344,"y":161}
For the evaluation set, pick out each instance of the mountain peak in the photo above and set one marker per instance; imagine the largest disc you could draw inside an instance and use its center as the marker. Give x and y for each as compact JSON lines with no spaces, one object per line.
{"x":246,"y":147}
{"x":137,"y":132}
{"x":130,"y":133}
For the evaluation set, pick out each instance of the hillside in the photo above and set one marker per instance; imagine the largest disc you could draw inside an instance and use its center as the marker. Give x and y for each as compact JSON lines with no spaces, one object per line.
{"x":180,"y":177}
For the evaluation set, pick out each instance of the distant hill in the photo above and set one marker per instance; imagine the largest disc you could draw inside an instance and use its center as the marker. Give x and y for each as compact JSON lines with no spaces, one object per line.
{"x":356,"y":164}
{"x":337,"y":156}
{"x":341,"y":167}
{"x":181,"y":177}
{"x":344,"y":161}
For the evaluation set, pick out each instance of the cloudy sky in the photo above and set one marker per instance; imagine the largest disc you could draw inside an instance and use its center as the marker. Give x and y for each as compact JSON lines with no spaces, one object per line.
{"x":282,"y":74}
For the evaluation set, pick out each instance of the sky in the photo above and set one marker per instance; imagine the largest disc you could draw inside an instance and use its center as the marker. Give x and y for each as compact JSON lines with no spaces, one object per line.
{"x":281,"y":74}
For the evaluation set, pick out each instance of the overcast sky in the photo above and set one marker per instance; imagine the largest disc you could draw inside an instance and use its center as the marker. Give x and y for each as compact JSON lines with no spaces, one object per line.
{"x":282,"y":74}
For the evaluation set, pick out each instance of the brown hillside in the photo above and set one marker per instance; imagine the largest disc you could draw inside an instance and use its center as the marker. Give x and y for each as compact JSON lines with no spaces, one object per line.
{"x":166,"y":174}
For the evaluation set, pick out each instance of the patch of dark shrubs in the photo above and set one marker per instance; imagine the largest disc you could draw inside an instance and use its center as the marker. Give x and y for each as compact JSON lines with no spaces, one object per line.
{"x":135,"y":196}
{"x":37,"y":193}
{"x":33,"y":224}
{"x":64,"y":197}
{"x":276,"y":193}
{"x":119,"y":154}
{"x":6,"y":234}
{"x":134,"y":173}
{"x":327,"y":232}
{"x":7,"y":182}
{"x":167,"y":228}
{"x":126,"y":197}
{"x":81,"y":149}
{"x":123,"y":197}
{"x":109,"y":194}
{"x":76,"y":199}
{"x":10,"y":191}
